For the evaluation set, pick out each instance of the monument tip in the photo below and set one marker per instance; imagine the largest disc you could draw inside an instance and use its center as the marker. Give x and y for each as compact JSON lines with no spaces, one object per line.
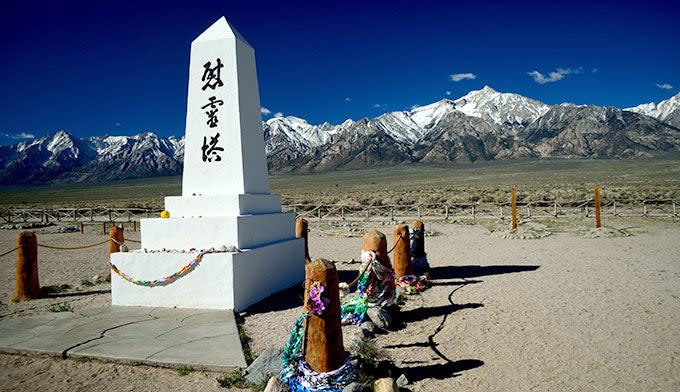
{"x":219,"y":30}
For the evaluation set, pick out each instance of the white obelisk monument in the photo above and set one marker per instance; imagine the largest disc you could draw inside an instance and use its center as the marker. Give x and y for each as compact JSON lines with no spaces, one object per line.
{"x":225,"y":202}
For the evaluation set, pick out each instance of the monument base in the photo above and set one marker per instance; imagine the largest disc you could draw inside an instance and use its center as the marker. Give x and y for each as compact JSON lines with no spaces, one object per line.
{"x":221,"y":280}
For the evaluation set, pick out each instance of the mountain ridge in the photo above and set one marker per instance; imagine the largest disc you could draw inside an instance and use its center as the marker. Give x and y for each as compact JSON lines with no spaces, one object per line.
{"x":481,"y":125}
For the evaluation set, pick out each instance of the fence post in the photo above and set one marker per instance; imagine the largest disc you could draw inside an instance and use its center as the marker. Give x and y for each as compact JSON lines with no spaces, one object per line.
{"x":134,"y":225}
{"x":27,"y":279}
{"x":555,"y":209}
{"x":392,"y":214}
{"x":529,"y":210}
{"x":473,"y":212}
{"x":400,"y":255}
{"x":419,"y":216}
{"x":302,"y":231}
{"x":82,"y":228}
{"x":323,"y":348}
{"x":644,"y":208}
{"x":514,"y":208}
{"x":319,"y":211}
{"x":446,"y":211}
{"x":598,"y":221}
{"x":615,"y":213}
{"x":342,"y":212}
{"x":674,"y":212}
{"x":117,"y":238}
{"x":91,"y":214}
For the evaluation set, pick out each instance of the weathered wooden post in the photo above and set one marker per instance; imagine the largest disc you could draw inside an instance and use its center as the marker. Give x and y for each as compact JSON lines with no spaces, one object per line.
{"x":27,"y":280}
{"x":82,"y":228}
{"x":104,"y":227}
{"x":302,"y":231}
{"x":376,"y":241}
{"x":446,"y":211}
{"x":514,"y":208}
{"x":324,"y":349}
{"x":117,"y":239}
{"x":598,"y":221}
{"x":401,"y":258}
{"x":418,"y":238}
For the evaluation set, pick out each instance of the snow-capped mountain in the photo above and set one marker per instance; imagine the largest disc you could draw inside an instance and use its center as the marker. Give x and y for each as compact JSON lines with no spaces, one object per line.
{"x":482,"y":125}
{"x":501,"y":108}
{"x":667,"y":110}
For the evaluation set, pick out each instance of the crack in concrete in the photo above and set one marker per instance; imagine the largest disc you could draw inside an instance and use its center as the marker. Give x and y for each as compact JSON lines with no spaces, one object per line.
{"x":64,"y":354}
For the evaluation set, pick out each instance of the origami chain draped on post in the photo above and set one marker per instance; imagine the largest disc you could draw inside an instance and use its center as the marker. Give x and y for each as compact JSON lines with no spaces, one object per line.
{"x":418,"y":239}
{"x":401,"y":257}
{"x":324,"y":347}
{"x":27,"y":280}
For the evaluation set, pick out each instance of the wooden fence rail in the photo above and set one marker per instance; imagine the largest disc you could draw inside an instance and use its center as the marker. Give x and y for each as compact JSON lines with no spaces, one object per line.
{"x":454,"y":211}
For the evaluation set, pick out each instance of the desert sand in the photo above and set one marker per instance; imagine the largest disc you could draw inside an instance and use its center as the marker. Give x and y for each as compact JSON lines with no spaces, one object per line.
{"x":562,"y":313}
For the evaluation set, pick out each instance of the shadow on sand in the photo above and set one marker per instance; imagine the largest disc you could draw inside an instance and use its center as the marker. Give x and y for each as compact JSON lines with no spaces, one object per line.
{"x":473,"y":271}
{"x":440,"y":371}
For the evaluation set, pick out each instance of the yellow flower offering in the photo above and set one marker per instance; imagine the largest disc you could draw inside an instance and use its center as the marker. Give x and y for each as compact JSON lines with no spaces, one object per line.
{"x":165,"y":214}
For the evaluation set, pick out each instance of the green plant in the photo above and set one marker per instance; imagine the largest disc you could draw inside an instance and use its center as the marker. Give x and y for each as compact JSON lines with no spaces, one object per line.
{"x":61,"y":307}
{"x":235,"y":379}
{"x":184,"y":370}
{"x":87,"y":283}
{"x":245,"y":340}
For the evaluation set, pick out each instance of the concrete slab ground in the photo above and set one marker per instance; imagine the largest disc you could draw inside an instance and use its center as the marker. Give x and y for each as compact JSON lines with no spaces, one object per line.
{"x":198,"y":338}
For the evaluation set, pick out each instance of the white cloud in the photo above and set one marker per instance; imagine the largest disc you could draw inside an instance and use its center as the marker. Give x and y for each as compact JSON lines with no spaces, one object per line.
{"x":461,"y":76}
{"x":553,"y":76}
{"x":379,"y":106}
{"x":19,"y":135}
{"x":348,"y":99}
{"x":278,"y":114}
{"x":448,"y":93}
{"x":118,"y":124}
{"x":664,"y":86}
{"x":594,"y":70}
{"x":265,"y":111}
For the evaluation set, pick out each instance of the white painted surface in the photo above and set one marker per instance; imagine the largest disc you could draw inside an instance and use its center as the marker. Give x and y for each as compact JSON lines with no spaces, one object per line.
{"x":245,"y":231}
{"x":222,"y":205}
{"x":260,"y":272}
{"x":224,"y":202}
{"x":243,"y":167}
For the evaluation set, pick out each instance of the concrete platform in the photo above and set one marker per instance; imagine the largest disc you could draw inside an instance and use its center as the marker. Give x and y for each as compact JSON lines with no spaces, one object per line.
{"x":198,"y":338}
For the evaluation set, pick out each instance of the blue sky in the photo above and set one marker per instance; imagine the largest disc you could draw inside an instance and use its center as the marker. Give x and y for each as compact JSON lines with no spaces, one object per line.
{"x":118,"y":67}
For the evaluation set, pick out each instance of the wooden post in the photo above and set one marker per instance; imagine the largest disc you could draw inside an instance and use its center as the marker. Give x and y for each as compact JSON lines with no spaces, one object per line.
{"x":27,"y":280}
{"x":501,"y":211}
{"x":419,"y":238}
{"x":644,"y":209}
{"x":615,"y":213}
{"x":110,"y":219}
{"x":392,"y":214}
{"x":528,"y":210}
{"x":319,"y":211}
{"x":324,"y":350}
{"x":302,"y":231}
{"x":377,"y":242}
{"x":117,"y":234}
{"x":419,"y":216}
{"x":104,"y":227}
{"x":401,"y":258}
{"x":342,"y":212}
{"x":91,"y":214}
{"x":134,"y":225}
{"x":555,"y":209}
{"x":446,"y":211}
{"x":82,"y":228}
{"x":598,"y":221}
{"x":514,"y":208}
{"x":674,"y":211}
{"x":473,"y":212}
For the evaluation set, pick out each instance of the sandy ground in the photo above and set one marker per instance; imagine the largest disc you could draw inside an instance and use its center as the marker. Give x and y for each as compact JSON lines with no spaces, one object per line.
{"x":561,"y":313}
